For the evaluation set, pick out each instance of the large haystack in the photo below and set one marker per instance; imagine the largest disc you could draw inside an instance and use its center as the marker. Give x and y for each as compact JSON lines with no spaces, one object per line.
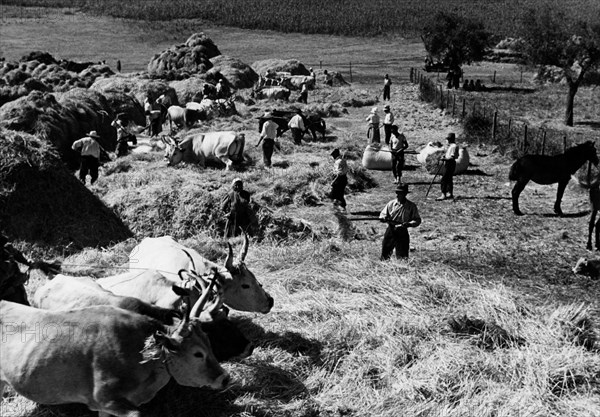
{"x":189,"y":89}
{"x":61,"y":118}
{"x":136,"y":86}
{"x":293,"y":66}
{"x":41,"y":201}
{"x":237,"y":74}
{"x":192,"y":57}
{"x":127,"y":105}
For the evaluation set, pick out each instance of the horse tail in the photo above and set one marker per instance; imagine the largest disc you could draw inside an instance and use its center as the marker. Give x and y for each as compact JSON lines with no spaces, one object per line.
{"x":513,"y":174}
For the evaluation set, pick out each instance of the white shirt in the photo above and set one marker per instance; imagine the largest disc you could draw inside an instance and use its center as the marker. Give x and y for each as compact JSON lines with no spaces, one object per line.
{"x":388,"y":119}
{"x":269,"y":130}
{"x":452,"y":151}
{"x":340,"y":166}
{"x":88,"y":146}
{"x":296,"y":122}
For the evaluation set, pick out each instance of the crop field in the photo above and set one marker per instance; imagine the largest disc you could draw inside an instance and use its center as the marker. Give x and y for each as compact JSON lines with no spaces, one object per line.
{"x":350,"y":335}
{"x":337,"y":17}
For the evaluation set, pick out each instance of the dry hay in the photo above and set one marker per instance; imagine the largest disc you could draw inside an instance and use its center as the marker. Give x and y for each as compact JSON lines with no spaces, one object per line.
{"x":127,"y":105}
{"x":293,"y":66}
{"x":42,"y":72}
{"x":192,"y":57}
{"x":237,"y":74}
{"x":189,"y":89}
{"x":434,"y":165}
{"x":139,"y":87}
{"x":43,"y":202}
{"x":61,"y":118}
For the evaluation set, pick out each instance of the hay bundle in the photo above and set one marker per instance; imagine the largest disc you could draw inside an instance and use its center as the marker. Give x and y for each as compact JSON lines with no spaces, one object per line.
{"x":43,"y":202}
{"x":377,"y":157}
{"x":237,"y":74}
{"x":293,"y":66}
{"x":431,"y":154}
{"x":189,"y":89}
{"x":192,"y":57}
{"x":136,"y":86}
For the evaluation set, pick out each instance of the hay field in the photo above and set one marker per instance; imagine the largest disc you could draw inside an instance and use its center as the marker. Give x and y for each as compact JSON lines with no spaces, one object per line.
{"x":352,"y":336}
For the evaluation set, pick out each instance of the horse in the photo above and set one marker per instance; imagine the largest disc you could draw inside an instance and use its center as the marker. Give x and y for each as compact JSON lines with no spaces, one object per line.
{"x":592,"y":184}
{"x":545,"y":170}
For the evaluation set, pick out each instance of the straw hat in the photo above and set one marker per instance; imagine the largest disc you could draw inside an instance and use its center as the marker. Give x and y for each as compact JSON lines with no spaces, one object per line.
{"x":402,"y":188}
{"x":94,"y":134}
{"x":374,"y":110}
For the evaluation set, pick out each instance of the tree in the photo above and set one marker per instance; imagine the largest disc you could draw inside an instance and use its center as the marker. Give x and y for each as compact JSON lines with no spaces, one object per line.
{"x":455,"y":40}
{"x":551,"y":39}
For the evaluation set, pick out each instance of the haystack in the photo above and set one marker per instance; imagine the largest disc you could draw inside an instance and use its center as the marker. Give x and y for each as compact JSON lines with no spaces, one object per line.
{"x":293,"y":66}
{"x":136,"y":86}
{"x":192,"y":57}
{"x":61,"y":118}
{"x":127,"y":105}
{"x":43,"y":202}
{"x":189,"y":89}
{"x":430,"y":158}
{"x":237,"y":74}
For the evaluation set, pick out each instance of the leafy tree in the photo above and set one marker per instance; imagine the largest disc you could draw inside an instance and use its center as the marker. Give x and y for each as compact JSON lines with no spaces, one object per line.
{"x":551,"y":39}
{"x":455,"y":40}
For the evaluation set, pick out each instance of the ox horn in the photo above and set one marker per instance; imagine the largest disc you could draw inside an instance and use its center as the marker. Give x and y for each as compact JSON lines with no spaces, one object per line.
{"x":229,"y":260}
{"x":199,"y":306}
{"x":244,"y":249}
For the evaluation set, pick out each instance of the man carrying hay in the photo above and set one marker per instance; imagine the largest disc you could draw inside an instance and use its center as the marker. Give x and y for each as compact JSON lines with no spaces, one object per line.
{"x":236,"y":206}
{"x":338,"y":186}
{"x":267,"y":136}
{"x":447,"y":182}
{"x":123,"y":136}
{"x":399,"y":214}
{"x":296,"y":125}
{"x":89,"y":149}
{"x":398,"y":144}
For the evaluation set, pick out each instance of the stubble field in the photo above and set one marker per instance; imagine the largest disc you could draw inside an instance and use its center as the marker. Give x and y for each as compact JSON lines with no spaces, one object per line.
{"x":350,"y":335}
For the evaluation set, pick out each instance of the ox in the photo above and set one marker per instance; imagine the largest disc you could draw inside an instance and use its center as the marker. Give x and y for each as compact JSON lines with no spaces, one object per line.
{"x":110,"y":359}
{"x":295,"y":82}
{"x":182,"y":117}
{"x":241,"y":290}
{"x":312,"y":122}
{"x":225,"y":147}
{"x":271,"y":93}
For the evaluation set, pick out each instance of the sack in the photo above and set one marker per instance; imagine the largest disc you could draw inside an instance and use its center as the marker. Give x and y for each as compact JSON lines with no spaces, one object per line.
{"x":377,"y":157}
{"x":433,"y":165}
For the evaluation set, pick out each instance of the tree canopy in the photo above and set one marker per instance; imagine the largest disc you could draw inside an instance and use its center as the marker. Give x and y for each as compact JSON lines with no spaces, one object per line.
{"x":455,"y":40}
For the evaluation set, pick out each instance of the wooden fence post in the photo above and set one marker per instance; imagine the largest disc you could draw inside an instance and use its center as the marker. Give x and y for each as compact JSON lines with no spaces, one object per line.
{"x":494,"y":126}
{"x":411,"y":74}
{"x":453,"y":103}
{"x":544,"y":142}
{"x":464,"y":107}
{"x":564,"y":143}
{"x":525,"y":139}
{"x":320,"y":64}
{"x":494,"y":79}
{"x":509,"y":127}
{"x":350,"y":71}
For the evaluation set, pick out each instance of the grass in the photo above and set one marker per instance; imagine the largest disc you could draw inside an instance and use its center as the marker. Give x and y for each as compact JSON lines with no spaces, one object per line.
{"x":350,"y":335}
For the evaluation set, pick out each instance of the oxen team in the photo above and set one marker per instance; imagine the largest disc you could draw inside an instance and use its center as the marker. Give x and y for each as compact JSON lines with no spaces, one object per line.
{"x":113,"y":343}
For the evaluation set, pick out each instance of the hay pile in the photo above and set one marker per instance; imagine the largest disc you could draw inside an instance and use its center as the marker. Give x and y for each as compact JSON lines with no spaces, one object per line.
{"x":293,"y":66}
{"x":61,"y":118}
{"x":126,"y":104}
{"x":40,"y":71}
{"x":136,"y":86}
{"x":181,"y":61}
{"x":189,"y":89}
{"x":41,"y":201}
{"x":237,"y":74}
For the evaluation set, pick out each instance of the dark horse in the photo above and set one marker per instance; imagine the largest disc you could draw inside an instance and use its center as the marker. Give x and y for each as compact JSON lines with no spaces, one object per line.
{"x":544,"y":169}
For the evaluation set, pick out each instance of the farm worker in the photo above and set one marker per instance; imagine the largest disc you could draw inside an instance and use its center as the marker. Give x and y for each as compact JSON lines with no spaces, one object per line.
{"x":449,"y":159}
{"x":296,"y":124}
{"x":328,"y":78}
{"x":456,"y":76}
{"x":338,"y":186}
{"x":304,"y":93}
{"x":399,"y":214}
{"x":119,"y":65}
{"x":373,"y":122}
{"x":388,"y":121}
{"x":236,"y":206}
{"x":123,"y":135}
{"x":450,"y":78}
{"x":89,"y":149}
{"x":387,"y":84}
{"x":398,"y":144}
{"x":222,"y":89}
{"x":267,"y":136}
{"x":312,"y":75}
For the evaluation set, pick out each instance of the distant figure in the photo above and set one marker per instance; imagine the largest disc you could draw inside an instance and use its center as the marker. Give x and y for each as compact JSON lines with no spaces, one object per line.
{"x":447,"y":182}
{"x":153,"y":116}
{"x":304,"y":94}
{"x":313,"y":75}
{"x":222,"y":89}
{"x":388,"y":121}
{"x":471,"y":85}
{"x":328,"y":78}
{"x":387,"y":84}
{"x":296,"y":125}
{"x":338,"y":186}
{"x":267,"y":136}
{"x":399,"y":214}
{"x":466,"y":85}
{"x":456,"y":76}
{"x":123,"y":135}
{"x":119,"y":65}
{"x":449,"y":78}
{"x":373,"y":129}
{"x":89,"y":149}
{"x":479,"y":86}
{"x":398,"y":145}
{"x":236,"y":206}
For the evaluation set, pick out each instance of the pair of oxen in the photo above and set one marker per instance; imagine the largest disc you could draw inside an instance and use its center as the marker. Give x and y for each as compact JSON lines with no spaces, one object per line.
{"x":113,"y":343}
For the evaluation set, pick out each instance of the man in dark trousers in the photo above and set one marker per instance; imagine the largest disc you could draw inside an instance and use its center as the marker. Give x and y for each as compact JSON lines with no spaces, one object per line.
{"x":338,"y":186}
{"x":267,"y":137}
{"x":236,"y":206}
{"x":449,"y":159}
{"x":399,"y":214}
{"x":89,"y":149}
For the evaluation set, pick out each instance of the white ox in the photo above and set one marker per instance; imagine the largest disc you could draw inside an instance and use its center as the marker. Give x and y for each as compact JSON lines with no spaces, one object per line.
{"x":241,"y":290}
{"x":225,"y":147}
{"x":182,"y":117}
{"x":295,"y":82}
{"x":110,"y":359}
{"x":271,"y":93}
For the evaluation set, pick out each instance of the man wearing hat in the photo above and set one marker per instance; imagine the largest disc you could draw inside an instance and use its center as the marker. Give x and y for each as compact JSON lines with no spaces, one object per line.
{"x":387,"y":84}
{"x":89,"y":149}
{"x":338,"y":186}
{"x":399,"y":214}
{"x":296,"y":124}
{"x":373,"y":122}
{"x":398,"y":145}
{"x":303,"y":93}
{"x":388,"y":121}
{"x":447,"y":182}
{"x":267,"y":136}
{"x":236,"y":206}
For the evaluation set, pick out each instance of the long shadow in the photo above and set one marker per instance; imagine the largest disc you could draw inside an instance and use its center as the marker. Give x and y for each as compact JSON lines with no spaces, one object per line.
{"x":319,"y":139}
{"x":476,"y":172}
{"x":519,"y":90}
{"x":593,"y":125}
{"x":485,"y":197}
{"x":565,"y":215}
